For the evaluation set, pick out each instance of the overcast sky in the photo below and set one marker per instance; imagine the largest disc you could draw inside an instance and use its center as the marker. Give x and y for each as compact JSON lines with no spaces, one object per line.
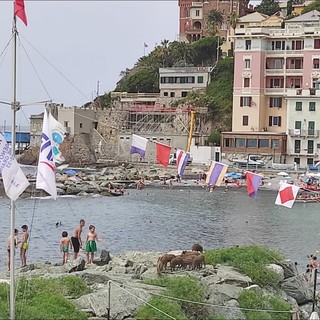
{"x":85,"y":41}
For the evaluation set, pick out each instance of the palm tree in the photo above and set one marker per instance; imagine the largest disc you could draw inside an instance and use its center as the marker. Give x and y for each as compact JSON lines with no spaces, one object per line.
{"x":214,"y":20}
{"x":233,"y":19}
{"x":162,"y":52}
{"x":181,"y":52}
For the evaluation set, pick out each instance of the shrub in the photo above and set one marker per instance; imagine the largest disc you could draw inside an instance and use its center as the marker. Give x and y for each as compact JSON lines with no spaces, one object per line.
{"x":251,"y":260}
{"x":186,"y":288}
{"x":256,"y":300}
{"x":44,"y":298}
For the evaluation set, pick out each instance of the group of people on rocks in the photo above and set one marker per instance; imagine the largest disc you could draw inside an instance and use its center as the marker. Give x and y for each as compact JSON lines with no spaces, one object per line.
{"x":66,"y":243}
{"x":75,"y":243}
{"x":311,"y":267}
{"x":23,"y":245}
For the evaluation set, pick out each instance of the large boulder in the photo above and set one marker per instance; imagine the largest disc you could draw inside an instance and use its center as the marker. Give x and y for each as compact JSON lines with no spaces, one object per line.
{"x":289,"y":268}
{"x":76,"y":265}
{"x":230,"y":312}
{"x":230,"y":275}
{"x":298,"y":288}
{"x":276,"y":269}
{"x":105,"y":258}
{"x":124,"y":301}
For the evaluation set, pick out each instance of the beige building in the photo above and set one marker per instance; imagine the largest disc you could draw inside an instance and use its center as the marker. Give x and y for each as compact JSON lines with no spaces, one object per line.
{"x":176,"y":82}
{"x":77,"y":120}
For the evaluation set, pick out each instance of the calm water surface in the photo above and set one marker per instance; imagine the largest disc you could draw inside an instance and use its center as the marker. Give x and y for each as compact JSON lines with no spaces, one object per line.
{"x":160,"y":220}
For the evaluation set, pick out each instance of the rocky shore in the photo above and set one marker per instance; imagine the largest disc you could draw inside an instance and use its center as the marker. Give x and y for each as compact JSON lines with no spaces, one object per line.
{"x":125,"y":276}
{"x":86,"y":181}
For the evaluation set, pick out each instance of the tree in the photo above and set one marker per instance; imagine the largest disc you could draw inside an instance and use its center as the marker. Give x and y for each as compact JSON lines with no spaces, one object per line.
{"x":181,"y":52}
{"x":268,"y":7}
{"x":214,"y":20}
{"x":312,"y":6}
{"x":233,"y":19}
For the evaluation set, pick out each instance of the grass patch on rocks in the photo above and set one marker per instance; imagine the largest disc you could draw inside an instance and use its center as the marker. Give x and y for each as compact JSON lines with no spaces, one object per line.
{"x":43,"y":299}
{"x":255,"y":300}
{"x":185,"y":288}
{"x":251,"y":260}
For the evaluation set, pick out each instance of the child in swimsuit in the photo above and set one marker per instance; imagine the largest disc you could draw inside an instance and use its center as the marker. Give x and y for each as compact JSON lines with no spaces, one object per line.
{"x":24,"y":245}
{"x":16,"y":241}
{"x":65,"y":244}
{"x":91,"y":246}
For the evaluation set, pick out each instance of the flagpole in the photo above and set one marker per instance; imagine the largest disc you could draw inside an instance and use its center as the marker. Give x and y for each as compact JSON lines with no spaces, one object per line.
{"x":14,"y":108}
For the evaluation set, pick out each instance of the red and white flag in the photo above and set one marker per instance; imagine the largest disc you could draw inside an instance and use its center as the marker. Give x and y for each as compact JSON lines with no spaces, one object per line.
{"x":19,"y":11}
{"x":163,"y":153}
{"x":287,"y":195}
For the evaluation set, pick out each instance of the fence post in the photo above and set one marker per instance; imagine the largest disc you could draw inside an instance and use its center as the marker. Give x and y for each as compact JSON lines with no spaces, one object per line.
{"x":109,"y":300}
{"x":314,"y":289}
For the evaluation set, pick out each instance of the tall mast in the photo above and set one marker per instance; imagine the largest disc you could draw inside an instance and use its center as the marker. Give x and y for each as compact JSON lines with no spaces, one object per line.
{"x":14,"y":109}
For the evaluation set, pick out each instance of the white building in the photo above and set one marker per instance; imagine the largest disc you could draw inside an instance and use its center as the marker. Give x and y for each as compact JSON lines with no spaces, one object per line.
{"x":303,"y":124}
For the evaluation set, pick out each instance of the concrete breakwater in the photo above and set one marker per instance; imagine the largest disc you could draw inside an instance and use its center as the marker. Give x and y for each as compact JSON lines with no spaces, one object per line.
{"x":126,"y":277}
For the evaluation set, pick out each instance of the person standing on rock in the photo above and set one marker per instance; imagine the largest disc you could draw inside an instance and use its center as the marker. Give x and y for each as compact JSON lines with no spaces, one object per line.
{"x":65,"y":244}
{"x":76,"y":239}
{"x":24,"y":245}
{"x":91,"y":245}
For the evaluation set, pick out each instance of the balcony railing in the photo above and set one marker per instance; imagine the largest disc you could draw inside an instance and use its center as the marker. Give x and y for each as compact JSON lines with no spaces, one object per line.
{"x":275,"y":90}
{"x":304,"y":133}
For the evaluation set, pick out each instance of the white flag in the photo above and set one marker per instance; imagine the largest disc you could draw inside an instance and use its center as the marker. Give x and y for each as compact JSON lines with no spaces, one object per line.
{"x":58,"y":133}
{"x":14,"y":180}
{"x":46,"y":178}
{"x":287,"y":195}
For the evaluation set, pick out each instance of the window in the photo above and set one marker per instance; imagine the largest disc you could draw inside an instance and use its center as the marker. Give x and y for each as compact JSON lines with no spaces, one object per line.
{"x":245,"y":101}
{"x":80,"y":124}
{"x":316,"y":43}
{"x":312,"y":106}
{"x":298,"y":106}
{"x":296,"y":160}
{"x":172,"y":94}
{"x":316,"y":63}
{"x":248,"y":44}
{"x":197,"y":13}
{"x":297,"y":124}
{"x":263,"y":143}
{"x":310,"y":146}
{"x":200,"y":79}
{"x":275,"y":143}
{"x":66,"y":124}
{"x":311,"y":127}
{"x":245,"y":120}
{"x":246,"y":82}
{"x":228,"y":142}
{"x":251,"y":143}
{"x":297,"y":146}
{"x":275,"y":121}
{"x":275,"y":102}
{"x":184,"y":94}
{"x":310,"y":161}
{"x":186,"y":12}
{"x":247,"y":63}
{"x":278,"y":45}
{"x":240,"y":142}
{"x":297,"y":45}
{"x":165,"y":93}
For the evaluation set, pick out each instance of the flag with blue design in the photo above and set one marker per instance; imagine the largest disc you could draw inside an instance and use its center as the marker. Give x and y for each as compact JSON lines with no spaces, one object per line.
{"x":52,"y":137}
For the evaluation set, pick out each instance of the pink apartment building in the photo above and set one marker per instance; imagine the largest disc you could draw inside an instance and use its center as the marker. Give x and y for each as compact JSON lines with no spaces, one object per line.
{"x":270,"y":59}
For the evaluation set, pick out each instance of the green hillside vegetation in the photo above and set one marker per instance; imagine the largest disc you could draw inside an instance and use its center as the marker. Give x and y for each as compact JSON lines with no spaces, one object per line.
{"x":312,"y":6}
{"x":144,"y":77}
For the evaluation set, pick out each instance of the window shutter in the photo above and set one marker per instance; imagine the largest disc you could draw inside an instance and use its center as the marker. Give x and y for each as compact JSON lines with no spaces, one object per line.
{"x":270,"y":121}
{"x":250,"y":101}
{"x":279,"y":121}
{"x":241,"y":101}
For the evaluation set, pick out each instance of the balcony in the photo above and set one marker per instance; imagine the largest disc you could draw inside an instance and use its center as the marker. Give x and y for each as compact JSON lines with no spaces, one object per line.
{"x":294,"y":72}
{"x":311,"y":133}
{"x":274,"y":90}
{"x":282,"y":53}
{"x":193,"y":31}
{"x":272,"y":72}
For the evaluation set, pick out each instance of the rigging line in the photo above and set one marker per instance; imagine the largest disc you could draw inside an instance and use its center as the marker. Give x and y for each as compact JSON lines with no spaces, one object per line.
{"x":201,"y":303}
{"x":57,"y":70}
{"x":33,"y":67}
{"x":4,"y":51}
{"x":146,"y":302}
{"x":40,"y":235}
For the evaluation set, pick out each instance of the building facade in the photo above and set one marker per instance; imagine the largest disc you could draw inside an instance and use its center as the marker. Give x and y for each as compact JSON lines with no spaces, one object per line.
{"x":269,"y":62}
{"x":192,"y":17}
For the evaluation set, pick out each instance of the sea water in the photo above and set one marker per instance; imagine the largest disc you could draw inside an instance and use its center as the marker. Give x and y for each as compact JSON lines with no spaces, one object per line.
{"x":156,"y":219}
